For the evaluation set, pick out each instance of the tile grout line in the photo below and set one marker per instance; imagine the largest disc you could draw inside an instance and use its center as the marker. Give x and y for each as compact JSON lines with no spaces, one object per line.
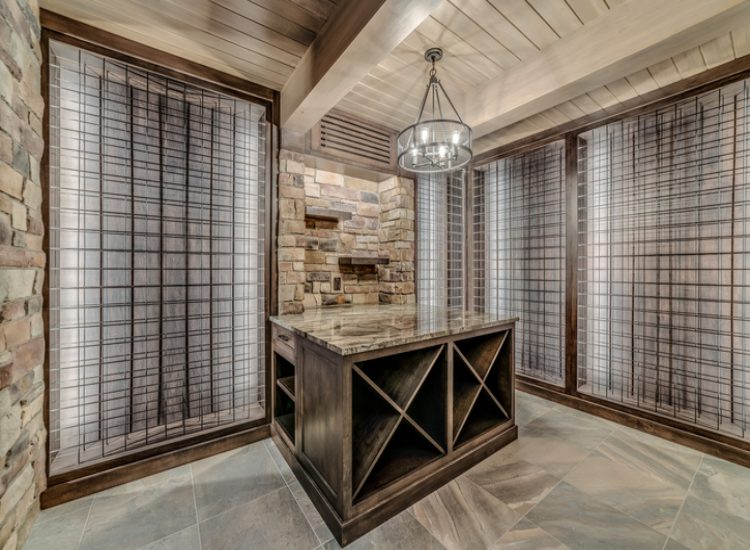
{"x":684,"y":500}
{"x":195,"y":507}
{"x":286,"y":483}
{"x":86,"y":523}
{"x":553,"y":537}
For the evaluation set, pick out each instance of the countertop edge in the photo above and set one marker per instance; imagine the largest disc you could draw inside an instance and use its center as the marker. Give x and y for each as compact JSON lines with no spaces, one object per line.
{"x":345,"y":352}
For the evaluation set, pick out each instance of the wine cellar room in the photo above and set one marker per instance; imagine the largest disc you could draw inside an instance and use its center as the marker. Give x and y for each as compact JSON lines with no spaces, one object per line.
{"x":446,"y":274}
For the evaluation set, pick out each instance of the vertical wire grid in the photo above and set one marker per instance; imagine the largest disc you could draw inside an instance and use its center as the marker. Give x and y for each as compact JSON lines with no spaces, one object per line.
{"x":156,"y":223}
{"x":519,"y":253}
{"x":662,"y":258}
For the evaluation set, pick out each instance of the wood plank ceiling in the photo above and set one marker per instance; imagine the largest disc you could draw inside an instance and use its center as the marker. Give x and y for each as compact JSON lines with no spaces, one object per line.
{"x":264,"y":40}
{"x":484,"y":38}
{"x":260,"y":40}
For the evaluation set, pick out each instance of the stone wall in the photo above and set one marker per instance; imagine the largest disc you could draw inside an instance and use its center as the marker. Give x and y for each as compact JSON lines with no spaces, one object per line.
{"x":22,"y":433}
{"x":396,"y":241}
{"x":381,"y":224}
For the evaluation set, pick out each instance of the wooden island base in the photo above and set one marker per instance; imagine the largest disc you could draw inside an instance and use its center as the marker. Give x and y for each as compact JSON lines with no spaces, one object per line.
{"x":377,"y":406}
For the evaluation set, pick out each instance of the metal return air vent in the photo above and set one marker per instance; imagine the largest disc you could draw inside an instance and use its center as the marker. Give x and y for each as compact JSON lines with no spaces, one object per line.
{"x":347,"y":138}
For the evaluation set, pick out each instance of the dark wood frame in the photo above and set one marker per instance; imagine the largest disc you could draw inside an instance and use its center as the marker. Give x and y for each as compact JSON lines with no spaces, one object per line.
{"x":108,"y":473}
{"x":702,"y":439}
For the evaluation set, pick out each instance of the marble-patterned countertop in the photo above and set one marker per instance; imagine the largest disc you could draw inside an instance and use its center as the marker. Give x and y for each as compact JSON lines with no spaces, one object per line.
{"x":347,"y":330}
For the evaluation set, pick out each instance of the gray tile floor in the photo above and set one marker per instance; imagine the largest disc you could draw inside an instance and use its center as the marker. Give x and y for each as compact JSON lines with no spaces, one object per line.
{"x":571,"y":481}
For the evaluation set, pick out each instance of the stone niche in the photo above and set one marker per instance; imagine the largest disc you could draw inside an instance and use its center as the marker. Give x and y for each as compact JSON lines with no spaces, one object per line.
{"x":325,"y":218}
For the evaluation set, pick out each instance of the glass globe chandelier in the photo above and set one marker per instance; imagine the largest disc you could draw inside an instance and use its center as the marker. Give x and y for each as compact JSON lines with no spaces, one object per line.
{"x":436,"y":142}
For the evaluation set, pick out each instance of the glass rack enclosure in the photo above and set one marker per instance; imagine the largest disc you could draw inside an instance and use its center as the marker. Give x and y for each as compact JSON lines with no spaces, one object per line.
{"x":156,"y":298}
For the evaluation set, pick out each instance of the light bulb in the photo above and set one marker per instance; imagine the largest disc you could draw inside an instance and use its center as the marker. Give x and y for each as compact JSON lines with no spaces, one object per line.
{"x":455,"y":138}
{"x":441,"y":151}
{"x":414,"y":152}
{"x":424,"y":134}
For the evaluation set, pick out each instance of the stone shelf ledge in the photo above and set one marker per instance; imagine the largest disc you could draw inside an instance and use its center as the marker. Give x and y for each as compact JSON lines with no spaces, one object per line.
{"x":326,"y":214}
{"x":363,"y":260}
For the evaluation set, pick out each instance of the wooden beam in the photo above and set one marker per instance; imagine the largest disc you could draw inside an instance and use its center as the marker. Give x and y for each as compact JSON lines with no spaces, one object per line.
{"x":358,"y":35}
{"x":629,"y":38}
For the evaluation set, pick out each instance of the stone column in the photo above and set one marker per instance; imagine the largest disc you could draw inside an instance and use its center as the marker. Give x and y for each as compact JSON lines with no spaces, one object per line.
{"x":22,"y":261}
{"x":291,"y":239}
{"x":396,"y":236}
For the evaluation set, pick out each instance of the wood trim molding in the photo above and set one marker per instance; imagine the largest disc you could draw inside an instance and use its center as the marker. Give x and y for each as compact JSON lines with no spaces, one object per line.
{"x":718,"y":76}
{"x":130,"y":51}
{"x":71,"y":489}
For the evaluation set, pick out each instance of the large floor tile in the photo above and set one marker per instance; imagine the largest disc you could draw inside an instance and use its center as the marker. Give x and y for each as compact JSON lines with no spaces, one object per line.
{"x":527,"y":536}
{"x":462,"y":515}
{"x":724,"y":485}
{"x":701,"y":526}
{"x":553,"y":454}
{"x":269,"y":522}
{"x":647,"y":499}
{"x":234,"y":478}
{"x":530,"y":407}
{"x":652,"y":455}
{"x":580,"y":521}
{"x":398,"y":532}
{"x":570,"y":425}
{"x":520,"y":484}
{"x":141,"y":512}
{"x":60,"y":527}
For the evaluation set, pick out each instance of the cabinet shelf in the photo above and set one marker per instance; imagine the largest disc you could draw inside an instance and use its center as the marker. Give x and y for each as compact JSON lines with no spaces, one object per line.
{"x":326,"y":214}
{"x":287,"y":385}
{"x":363,"y":260}
{"x":285,"y":403}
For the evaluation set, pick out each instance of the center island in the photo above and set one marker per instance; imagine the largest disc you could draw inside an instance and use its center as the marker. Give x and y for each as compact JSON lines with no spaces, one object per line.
{"x":376,"y":406}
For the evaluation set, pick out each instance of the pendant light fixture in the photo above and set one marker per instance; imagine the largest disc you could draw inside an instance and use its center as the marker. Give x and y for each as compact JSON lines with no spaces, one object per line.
{"x":436,"y":142}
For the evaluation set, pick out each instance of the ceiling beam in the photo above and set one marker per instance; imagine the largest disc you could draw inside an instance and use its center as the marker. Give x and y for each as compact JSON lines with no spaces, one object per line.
{"x":357,"y":36}
{"x":628,"y":38}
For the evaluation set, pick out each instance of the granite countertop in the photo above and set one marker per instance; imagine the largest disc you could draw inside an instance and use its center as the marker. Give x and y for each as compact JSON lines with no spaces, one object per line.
{"x":354,"y":329}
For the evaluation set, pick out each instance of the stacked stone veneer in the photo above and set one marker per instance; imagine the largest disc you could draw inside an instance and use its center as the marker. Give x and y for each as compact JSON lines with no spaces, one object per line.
{"x":382,"y":224}
{"x":22,"y":434}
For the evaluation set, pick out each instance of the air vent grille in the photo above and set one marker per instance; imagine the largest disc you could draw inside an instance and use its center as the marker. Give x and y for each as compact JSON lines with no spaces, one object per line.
{"x":348,"y":138}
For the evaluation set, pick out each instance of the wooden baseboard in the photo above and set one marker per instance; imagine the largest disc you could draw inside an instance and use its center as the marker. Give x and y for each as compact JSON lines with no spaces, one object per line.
{"x":670,"y":429}
{"x":71,"y":489}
